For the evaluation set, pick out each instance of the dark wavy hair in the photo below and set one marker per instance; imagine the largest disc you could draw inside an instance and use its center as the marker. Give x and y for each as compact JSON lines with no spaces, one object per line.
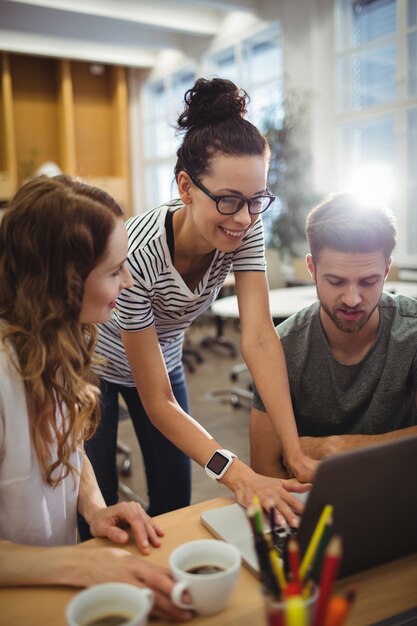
{"x":213,"y":122}
{"x":52,"y":234}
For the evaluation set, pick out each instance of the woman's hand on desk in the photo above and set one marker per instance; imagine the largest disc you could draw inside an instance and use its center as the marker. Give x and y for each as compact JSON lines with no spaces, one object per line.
{"x":111,"y":522}
{"x":116,"y":564}
{"x":271,"y":491}
{"x":84,"y":565}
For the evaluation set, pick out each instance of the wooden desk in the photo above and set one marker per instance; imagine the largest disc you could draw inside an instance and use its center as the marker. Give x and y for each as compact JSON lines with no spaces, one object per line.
{"x":382,"y":592}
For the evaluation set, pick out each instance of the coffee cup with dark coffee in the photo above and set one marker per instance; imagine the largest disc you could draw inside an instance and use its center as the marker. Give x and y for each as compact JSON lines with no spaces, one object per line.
{"x":208,"y":570}
{"x":110,"y":604}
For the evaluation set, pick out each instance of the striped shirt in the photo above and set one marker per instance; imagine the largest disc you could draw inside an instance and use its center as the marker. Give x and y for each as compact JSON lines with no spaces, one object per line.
{"x":159,"y":297}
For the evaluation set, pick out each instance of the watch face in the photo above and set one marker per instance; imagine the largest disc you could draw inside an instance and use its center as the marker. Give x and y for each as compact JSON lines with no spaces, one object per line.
{"x":217,"y":463}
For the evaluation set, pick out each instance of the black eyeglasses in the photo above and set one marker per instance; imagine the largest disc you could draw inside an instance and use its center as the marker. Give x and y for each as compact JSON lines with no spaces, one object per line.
{"x":228,"y":205}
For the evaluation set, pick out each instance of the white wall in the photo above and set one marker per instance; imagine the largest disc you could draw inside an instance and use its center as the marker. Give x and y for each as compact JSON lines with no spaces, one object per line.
{"x":309,"y":65}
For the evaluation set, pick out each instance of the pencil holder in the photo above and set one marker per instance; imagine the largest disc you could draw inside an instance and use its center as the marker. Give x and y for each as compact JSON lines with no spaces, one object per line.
{"x":295,"y":610}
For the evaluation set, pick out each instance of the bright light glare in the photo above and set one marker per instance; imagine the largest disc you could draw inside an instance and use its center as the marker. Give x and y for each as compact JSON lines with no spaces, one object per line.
{"x":373,"y":184}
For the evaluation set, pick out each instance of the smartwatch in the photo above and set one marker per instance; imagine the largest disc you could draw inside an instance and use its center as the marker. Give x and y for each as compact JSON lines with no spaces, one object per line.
{"x":219,"y":463}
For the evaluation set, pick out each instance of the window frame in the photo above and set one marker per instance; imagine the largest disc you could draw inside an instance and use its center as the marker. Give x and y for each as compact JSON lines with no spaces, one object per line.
{"x":397,"y":108}
{"x":201,"y":67}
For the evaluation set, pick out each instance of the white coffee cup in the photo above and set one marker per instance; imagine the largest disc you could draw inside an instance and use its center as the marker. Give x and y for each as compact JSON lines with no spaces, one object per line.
{"x":209,"y":591}
{"x":110,"y":599}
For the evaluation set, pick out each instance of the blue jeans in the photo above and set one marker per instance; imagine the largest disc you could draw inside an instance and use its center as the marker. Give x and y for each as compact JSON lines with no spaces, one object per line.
{"x":168,"y":470}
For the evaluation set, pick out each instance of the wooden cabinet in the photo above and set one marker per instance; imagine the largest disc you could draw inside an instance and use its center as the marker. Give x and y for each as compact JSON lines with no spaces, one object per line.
{"x":8,"y":159}
{"x":68,"y":112}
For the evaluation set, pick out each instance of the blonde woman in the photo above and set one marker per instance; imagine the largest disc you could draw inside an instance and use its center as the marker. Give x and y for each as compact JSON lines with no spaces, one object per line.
{"x":63,"y":247}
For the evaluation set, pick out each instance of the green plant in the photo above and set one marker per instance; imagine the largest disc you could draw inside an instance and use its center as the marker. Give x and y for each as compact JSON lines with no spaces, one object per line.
{"x":289,"y":176}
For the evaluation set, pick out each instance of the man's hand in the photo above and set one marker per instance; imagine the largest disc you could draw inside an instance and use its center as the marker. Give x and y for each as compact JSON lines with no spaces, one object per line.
{"x":110,"y":521}
{"x":303,"y":468}
{"x":320,"y":447}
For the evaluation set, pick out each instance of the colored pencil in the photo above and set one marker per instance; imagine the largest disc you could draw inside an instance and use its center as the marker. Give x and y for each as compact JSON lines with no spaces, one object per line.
{"x":295,"y":611}
{"x":266,"y":574}
{"x":277,"y":569}
{"x":329,"y":570}
{"x":314,"y":541}
{"x":250,"y":511}
{"x":272,"y":524}
{"x":257,"y":514}
{"x":284,"y":555}
{"x":294,"y":562}
{"x":338,"y":609}
{"x":318,"y":557}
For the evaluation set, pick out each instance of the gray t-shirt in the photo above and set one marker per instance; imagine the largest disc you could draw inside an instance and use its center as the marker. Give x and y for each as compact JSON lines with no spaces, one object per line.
{"x":374,"y":396}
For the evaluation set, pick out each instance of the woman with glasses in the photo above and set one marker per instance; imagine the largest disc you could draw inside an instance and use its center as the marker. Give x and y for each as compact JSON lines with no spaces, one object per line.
{"x":179,"y":257}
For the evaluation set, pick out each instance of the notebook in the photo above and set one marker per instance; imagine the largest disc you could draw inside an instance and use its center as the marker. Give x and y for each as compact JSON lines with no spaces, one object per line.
{"x":373,"y":492}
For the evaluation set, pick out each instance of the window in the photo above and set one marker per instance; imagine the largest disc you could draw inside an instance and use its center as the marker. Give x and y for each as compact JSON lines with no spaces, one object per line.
{"x":411,"y":203}
{"x":263,"y":74}
{"x":412,"y":48}
{"x":162,"y":101}
{"x":376,"y":45}
{"x":255,"y":63}
{"x":368,"y":141}
{"x":225,"y":64}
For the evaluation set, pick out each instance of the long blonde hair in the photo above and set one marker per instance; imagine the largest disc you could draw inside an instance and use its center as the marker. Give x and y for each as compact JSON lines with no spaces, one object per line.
{"x":53,"y":233}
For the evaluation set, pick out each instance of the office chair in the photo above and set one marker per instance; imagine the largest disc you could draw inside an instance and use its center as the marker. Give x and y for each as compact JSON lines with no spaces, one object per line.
{"x":190,"y":355}
{"x":218,"y":340}
{"x":126,"y":452}
{"x":125,"y":467}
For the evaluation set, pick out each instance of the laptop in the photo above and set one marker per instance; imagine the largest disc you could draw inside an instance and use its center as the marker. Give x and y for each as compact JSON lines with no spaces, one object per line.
{"x":374,"y":495}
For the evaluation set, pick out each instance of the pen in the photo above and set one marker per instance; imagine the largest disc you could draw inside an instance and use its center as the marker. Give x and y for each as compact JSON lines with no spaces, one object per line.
{"x":328,"y":575}
{"x":314,"y":541}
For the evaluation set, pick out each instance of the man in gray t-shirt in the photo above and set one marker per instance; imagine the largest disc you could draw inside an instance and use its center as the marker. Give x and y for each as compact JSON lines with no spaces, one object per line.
{"x":352,"y":356}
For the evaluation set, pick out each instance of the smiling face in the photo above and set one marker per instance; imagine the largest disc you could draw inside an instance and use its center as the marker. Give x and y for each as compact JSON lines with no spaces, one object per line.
{"x":243,"y":176}
{"x":349,"y":287}
{"x":105,"y":282}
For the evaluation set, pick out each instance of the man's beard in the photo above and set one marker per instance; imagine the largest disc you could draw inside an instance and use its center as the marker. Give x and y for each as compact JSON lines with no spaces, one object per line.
{"x":348,"y":326}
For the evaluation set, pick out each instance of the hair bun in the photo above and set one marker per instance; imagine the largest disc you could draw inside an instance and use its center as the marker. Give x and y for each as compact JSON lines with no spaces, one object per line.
{"x":212,"y":101}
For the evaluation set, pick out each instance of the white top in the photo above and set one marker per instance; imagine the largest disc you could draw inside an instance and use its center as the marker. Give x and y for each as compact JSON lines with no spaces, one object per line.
{"x":31,"y":512}
{"x":159,"y":295}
